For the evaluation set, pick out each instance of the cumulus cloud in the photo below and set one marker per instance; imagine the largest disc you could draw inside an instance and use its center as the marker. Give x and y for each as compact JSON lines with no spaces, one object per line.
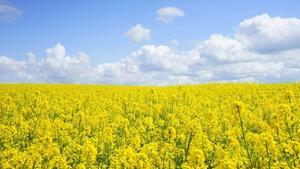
{"x":8,"y":11}
{"x":167,"y":14}
{"x":266,"y":34}
{"x":10,"y":69}
{"x":163,"y":58}
{"x":218,"y":58}
{"x":224,"y":49}
{"x":139,"y":33}
{"x":56,"y":67}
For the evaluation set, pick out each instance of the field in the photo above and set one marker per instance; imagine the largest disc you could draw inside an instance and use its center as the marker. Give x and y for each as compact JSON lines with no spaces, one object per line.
{"x":198,"y":126}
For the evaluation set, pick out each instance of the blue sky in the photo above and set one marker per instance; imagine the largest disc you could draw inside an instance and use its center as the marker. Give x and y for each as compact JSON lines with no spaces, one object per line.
{"x":100,"y":30}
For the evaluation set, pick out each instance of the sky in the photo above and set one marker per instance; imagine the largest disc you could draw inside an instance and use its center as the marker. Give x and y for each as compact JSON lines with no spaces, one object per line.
{"x":157,"y":42}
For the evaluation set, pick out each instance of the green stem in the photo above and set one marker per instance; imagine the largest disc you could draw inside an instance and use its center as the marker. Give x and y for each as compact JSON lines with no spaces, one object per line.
{"x":269,"y":159}
{"x":244,"y":137}
{"x":188,"y":146}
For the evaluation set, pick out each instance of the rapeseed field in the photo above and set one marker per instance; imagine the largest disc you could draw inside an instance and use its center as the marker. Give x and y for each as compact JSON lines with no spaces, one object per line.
{"x":199,"y":126}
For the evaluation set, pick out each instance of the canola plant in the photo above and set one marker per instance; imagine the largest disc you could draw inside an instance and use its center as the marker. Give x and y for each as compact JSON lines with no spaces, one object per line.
{"x":197,"y":126}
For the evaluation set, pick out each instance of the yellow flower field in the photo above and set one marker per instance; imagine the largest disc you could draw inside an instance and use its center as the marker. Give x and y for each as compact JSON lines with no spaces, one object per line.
{"x":198,"y":126}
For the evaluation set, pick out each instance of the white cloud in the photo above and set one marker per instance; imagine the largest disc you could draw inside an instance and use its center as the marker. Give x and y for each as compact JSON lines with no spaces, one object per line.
{"x":254,"y":69}
{"x":10,"y":69}
{"x":224,"y":49}
{"x":218,"y":58}
{"x":8,"y":11}
{"x":167,"y":14}
{"x":266,"y":34}
{"x":56,"y":67}
{"x":62,"y":67}
{"x":163,"y":58}
{"x":139,"y":33}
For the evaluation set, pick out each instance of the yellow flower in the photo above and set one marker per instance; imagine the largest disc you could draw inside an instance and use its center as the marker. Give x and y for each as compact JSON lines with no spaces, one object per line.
{"x":170,"y":133}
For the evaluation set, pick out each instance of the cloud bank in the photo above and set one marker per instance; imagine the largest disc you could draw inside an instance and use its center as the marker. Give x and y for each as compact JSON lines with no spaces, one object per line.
{"x":263,"y":49}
